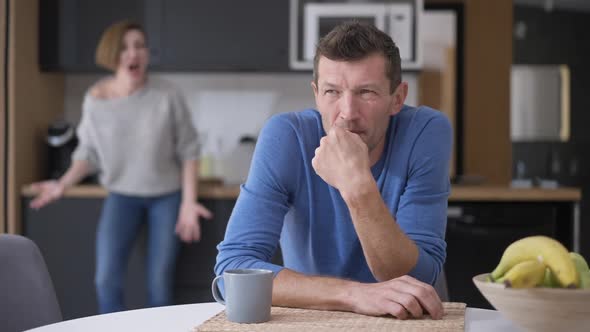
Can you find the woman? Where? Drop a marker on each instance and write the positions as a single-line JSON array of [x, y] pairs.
[[137, 132]]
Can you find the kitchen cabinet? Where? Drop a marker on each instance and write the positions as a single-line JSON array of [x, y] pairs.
[[478, 232], [225, 35], [69, 30], [183, 35], [65, 233], [482, 222]]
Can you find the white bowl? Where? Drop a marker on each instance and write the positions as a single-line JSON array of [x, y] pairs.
[[539, 309]]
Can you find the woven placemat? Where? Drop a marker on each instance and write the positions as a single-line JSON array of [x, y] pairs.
[[291, 319]]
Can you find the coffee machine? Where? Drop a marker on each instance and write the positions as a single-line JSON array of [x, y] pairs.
[[61, 143]]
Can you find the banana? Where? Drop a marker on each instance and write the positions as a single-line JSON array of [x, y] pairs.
[[579, 262], [549, 280], [544, 249], [526, 274], [585, 279], [582, 268]]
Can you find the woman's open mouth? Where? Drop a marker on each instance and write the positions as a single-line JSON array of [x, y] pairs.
[[133, 67]]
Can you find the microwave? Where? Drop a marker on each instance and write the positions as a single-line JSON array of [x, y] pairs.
[[312, 20]]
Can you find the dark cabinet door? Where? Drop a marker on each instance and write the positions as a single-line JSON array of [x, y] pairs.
[[65, 232], [188, 35], [194, 268], [69, 30], [225, 35], [477, 236]]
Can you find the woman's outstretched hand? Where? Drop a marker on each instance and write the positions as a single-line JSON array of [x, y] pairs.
[[47, 192], [188, 226]]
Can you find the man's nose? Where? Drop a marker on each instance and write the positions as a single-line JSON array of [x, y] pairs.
[[348, 106]]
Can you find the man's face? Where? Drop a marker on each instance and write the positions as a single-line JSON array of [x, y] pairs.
[[355, 95]]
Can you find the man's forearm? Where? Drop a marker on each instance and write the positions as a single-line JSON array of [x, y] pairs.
[[292, 289], [388, 251], [402, 297]]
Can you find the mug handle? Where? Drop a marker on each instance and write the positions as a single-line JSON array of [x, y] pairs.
[[215, 290]]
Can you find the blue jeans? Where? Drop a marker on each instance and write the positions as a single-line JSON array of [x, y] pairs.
[[119, 225]]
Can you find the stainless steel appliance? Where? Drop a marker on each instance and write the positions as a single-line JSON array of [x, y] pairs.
[[310, 20], [540, 103]]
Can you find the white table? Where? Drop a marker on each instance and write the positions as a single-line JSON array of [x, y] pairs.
[[185, 317]]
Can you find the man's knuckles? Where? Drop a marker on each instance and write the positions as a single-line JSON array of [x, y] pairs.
[[398, 311]]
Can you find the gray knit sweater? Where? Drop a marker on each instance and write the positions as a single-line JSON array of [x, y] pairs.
[[138, 143]]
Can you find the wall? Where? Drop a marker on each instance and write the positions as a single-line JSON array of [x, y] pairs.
[[34, 98]]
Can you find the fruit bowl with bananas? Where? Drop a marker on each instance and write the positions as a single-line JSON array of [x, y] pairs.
[[540, 286]]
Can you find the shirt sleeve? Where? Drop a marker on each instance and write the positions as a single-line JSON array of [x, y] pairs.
[[187, 144], [254, 228], [86, 149], [422, 211]]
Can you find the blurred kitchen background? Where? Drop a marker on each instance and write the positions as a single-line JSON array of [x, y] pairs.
[[550, 38], [231, 98], [512, 76]]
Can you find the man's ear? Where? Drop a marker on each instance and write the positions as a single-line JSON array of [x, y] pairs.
[[399, 97], [314, 88]]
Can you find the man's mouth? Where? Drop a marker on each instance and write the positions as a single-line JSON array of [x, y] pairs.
[[347, 128], [354, 131], [133, 67]]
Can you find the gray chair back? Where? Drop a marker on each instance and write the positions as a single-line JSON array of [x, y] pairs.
[[27, 296]]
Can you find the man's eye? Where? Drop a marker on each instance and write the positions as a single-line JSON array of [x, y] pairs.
[[367, 92], [330, 92]]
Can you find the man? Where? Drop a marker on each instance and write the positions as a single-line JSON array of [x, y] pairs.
[[356, 191]]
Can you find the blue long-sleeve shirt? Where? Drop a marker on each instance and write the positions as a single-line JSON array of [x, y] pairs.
[[283, 198]]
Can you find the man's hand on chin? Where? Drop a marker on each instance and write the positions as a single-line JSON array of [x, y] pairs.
[[342, 160]]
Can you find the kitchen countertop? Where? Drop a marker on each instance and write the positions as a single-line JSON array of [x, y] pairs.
[[507, 194], [206, 191], [458, 193]]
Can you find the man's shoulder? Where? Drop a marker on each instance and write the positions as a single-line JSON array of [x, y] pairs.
[[305, 120], [306, 115], [421, 114], [414, 119]]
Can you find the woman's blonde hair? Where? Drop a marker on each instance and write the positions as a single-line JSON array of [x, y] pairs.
[[111, 43]]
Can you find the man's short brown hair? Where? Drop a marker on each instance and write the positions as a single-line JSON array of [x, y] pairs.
[[354, 40], [111, 43]]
